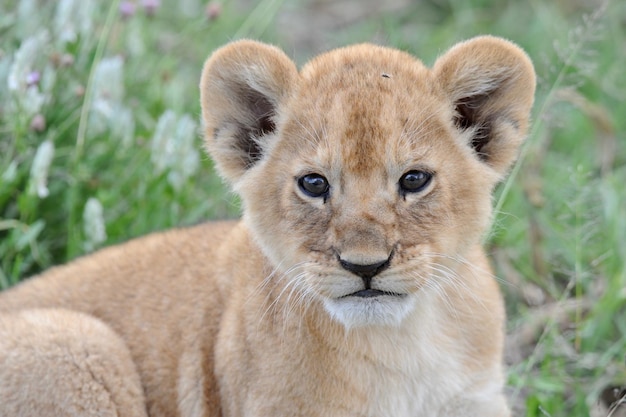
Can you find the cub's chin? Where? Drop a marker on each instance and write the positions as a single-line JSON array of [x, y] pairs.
[[370, 308]]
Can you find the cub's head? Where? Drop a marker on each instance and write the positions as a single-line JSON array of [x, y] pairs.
[[365, 175]]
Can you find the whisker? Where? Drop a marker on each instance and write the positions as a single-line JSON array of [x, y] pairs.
[[475, 268], [286, 279], [451, 277], [436, 286], [263, 283]]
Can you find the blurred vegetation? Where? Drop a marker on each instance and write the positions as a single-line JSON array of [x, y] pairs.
[[100, 142]]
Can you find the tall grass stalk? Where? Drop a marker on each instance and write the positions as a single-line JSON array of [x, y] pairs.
[[259, 19], [549, 98], [73, 197]]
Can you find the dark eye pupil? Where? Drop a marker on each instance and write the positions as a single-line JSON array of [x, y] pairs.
[[314, 185], [414, 181]]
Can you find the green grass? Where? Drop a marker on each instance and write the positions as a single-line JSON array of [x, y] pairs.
[[559, 238]]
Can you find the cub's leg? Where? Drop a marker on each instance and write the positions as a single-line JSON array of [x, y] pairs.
[[65, 363]]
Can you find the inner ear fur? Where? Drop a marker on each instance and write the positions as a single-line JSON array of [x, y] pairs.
[[242, 87], [490, 83]]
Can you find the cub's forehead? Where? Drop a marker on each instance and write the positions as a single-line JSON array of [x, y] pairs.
[[363, 103], [363, 59], [365, 81]]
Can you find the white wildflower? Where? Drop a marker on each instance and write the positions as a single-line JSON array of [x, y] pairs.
[[48, 78], [187, 158], [108, 110], [108, 79], [10, 174], [161, 141], [5, 68], [24, 60], [74, 18], [173, 148], [135, 40], [23, 78], [31, 102], [29, 17], [93, 224], [40, 168], [124, 126]]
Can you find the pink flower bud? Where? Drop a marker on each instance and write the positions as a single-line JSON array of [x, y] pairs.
[[150, 6], [32, 78], [67, 60], [38, 123], [127, 9], [213, 10]]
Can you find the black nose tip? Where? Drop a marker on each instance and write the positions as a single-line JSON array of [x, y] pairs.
[[366, 272]]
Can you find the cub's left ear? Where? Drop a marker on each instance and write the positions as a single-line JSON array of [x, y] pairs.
[[490, 82]]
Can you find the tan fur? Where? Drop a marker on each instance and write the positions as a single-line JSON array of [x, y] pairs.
[[256, 318]]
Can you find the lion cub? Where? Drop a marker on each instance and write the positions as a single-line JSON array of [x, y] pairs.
[[354, 285]]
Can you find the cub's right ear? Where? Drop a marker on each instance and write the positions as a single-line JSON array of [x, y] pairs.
[[242, 87]]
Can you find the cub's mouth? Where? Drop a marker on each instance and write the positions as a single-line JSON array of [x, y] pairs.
[[369, 293], [370, 306]]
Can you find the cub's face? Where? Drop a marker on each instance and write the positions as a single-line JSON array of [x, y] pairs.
[[366, 176]]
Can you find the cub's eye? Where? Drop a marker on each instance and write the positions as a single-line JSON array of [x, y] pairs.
[[414, 181], [314, 185]]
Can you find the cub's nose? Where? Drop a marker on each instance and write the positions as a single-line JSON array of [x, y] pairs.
[[366, 272]]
